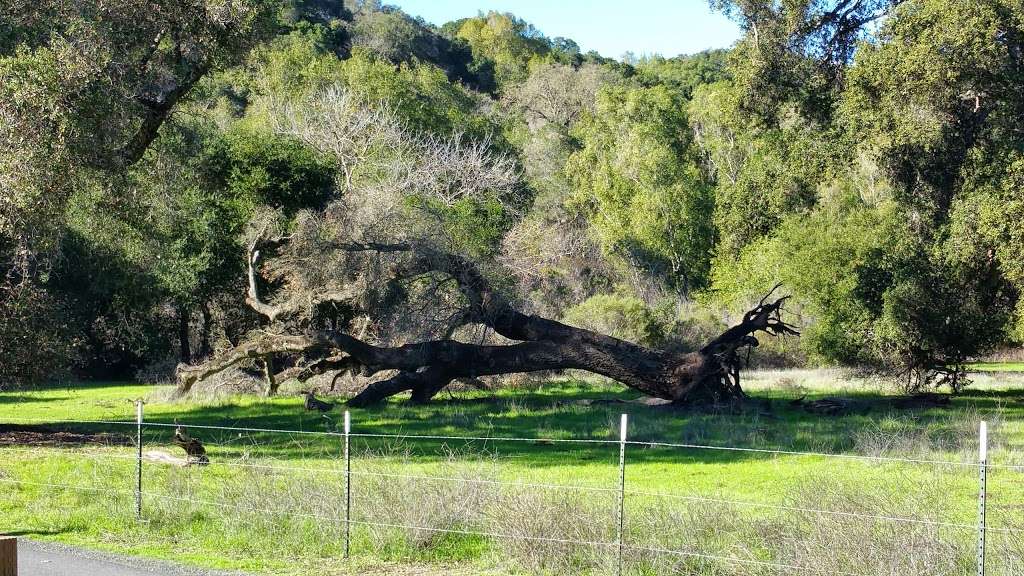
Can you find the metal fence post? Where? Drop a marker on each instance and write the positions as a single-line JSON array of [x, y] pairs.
[[138, 464], [982, 497], [348, 482], [622, 492]]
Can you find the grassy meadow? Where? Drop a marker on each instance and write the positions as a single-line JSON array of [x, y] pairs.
[[274, 502]]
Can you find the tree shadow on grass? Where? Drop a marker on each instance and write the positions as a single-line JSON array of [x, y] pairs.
[[766, 423], [12, 398], [769, 421], [20, 533]]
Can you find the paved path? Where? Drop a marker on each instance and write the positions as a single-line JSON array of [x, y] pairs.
[[45, 559]]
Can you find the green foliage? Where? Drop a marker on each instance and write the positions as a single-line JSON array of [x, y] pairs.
[[419, 93], [113, 302], [940, 97], [1000, 210], [503, 42], [258, 169], [896, 240], [289, 67], [795, 53], [471, 226], [36, 338], [299, 13], [867, 154], [398, 38], [762, 173], [876, 295], [684, 73], [84, 89], [175, 239], [619, 315], [829, 261], [88, 85], [636, 179]]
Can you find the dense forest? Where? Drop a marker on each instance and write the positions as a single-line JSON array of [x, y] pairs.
[[183, 181]]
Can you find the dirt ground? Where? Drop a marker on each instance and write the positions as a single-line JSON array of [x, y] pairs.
[[14, 435]]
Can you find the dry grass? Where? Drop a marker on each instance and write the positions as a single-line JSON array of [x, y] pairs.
[[823, 543], [300, 516]]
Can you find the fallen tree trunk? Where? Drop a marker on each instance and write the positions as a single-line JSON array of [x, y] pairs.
[[710, 374]]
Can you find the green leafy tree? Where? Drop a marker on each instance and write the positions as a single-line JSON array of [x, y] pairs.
[[637, 180], [84, 89], [504, 42], [762, 173], [894, 248], [684, 73]]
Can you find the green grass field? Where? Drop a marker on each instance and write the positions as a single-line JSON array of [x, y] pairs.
[[997, 367], [245, 511]]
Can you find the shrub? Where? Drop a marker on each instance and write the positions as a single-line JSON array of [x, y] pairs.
[[618, 315]]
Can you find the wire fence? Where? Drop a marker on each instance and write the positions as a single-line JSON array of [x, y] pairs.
[[620, 494]]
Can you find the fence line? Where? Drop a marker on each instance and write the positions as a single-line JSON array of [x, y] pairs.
[[441, 530], [513, 484], [621, 491], [799, 453], [520, 537], [570, 487], [540, 440], [69, 486], [488, 534]]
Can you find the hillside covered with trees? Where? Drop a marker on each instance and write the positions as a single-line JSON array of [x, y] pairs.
[[308, 186]]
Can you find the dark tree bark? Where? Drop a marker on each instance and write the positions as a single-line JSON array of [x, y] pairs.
[[205, 349], [184, 333], [268, 374], [710, 374]]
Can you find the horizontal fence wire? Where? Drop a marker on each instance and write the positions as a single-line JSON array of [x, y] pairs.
[[515, 484], [541, 440], [800, 453], [545, 539], [567, 487], [69, 486]]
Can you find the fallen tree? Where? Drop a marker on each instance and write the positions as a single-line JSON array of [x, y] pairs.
[[710, 374], [392, 278]]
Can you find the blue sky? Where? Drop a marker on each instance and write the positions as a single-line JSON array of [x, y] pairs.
[[666, 27]]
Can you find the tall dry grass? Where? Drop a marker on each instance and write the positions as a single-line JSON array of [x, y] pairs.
[[401, 513]]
